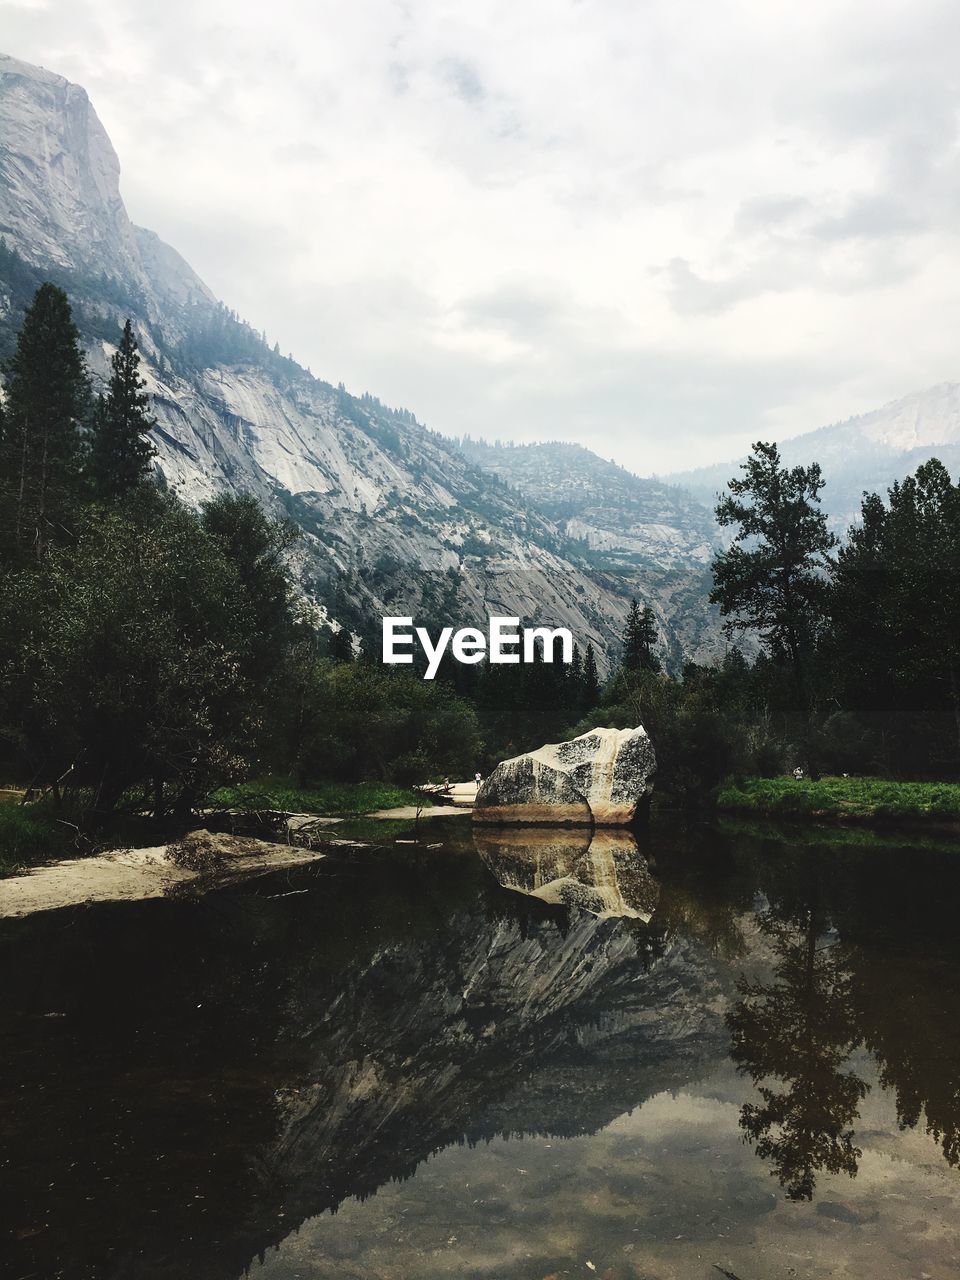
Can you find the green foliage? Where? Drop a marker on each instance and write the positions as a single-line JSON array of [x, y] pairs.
[[639, 640], [354, 721], [256, 548], [120, 451], [591, 677], [47, 399], [32, 833], [703, 727], [131, 657], [522, 706], [893, 648], [328, 799], [843, 799], [773, 581]]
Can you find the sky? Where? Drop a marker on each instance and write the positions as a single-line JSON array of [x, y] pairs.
[[660, 228]]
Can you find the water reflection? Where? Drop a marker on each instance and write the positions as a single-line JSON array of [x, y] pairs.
[[184, 1083], [799, 1030], [187, 1082], [602, 871], [864, 957]]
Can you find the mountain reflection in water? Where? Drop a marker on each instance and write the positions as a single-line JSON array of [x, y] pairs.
[[185, 1083]]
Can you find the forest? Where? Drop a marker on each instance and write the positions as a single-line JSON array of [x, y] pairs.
[[151, 653]]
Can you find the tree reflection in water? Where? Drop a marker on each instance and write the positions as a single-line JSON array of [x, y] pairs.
[[800, 1030]]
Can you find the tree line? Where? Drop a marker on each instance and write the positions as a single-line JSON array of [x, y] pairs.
[[858, 667]]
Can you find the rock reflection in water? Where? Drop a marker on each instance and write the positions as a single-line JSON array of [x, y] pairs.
[[602, 872]]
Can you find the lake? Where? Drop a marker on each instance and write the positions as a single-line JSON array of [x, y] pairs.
[[734, 1052]]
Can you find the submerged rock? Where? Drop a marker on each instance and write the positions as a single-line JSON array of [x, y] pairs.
[[602, 778], [602, 872]]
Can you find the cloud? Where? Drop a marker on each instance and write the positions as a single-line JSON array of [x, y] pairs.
[[463, 79], [664, 229]]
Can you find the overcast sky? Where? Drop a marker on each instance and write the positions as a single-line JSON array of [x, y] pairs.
[[659, 227]]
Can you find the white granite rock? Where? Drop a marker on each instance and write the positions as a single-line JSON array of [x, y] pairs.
[[602, 778]]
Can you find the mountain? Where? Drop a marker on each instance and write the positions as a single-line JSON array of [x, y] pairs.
[[636, 521], [865, 453], [396, 518]]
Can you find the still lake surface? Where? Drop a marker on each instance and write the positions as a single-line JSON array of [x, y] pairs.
[[390, 1065]]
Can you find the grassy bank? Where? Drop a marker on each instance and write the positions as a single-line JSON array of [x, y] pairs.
[[843, 799], [30, 834], [326, 799]]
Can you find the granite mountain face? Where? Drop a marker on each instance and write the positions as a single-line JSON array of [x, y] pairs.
[[396, 518], [623, 517]]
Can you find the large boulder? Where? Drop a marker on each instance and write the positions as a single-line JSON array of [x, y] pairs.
[[602, 778]]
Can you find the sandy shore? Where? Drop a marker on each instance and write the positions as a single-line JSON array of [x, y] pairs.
[[136, 874]]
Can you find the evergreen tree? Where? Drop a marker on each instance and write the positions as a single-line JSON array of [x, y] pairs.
[[639, 640], [776, 584], [895, 615], [341, 646], [47, 398], [574, 696], [591, 679], [576, 666], [120, 451]]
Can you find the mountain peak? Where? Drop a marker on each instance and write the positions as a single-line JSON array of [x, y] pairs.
[[59, 176], [10, 66]]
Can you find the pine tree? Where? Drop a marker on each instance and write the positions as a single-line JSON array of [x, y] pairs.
[[591, 679], [639, 640], [648, 624], [773, 579], [576, 666], [47, 398], [574, 695], [341, 646], [120, 451], [895, 610]]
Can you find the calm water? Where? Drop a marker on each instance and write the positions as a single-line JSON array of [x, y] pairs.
[[721, 1053]]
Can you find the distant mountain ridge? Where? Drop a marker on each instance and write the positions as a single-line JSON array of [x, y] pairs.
[[864, 453], [396, 518]]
